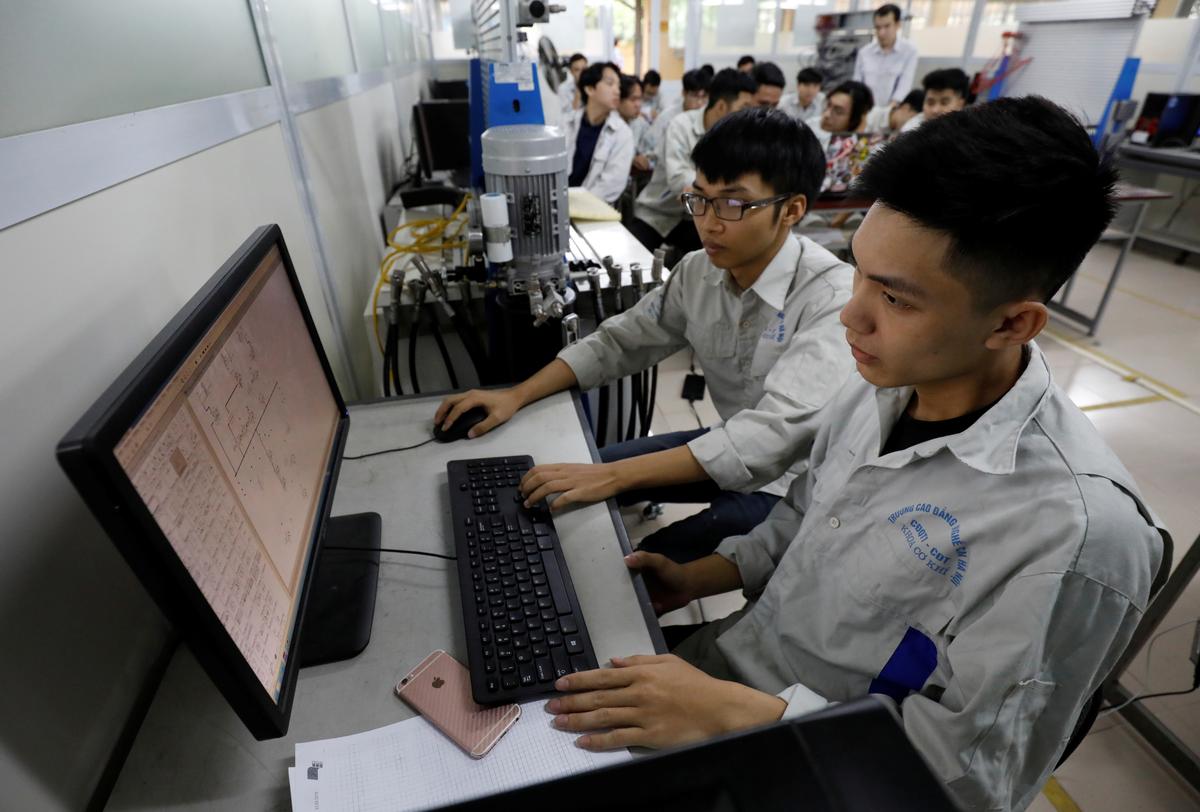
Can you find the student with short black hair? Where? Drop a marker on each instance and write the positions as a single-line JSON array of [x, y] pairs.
[[770, 84], [651, 94], [964, 544], [887, 64], [758, 306], [746, 64], [598, 139], [630, 108], [695, 95], [568, 91], [658, 216], [808, 102], [946, 90], [906, 115], [708, 69], [846, 110]]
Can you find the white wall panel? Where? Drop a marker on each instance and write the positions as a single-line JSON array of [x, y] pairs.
[[82, 290]]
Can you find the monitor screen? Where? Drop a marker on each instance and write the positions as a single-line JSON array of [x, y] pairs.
[[443, 135], [229, 459], [212, 461]]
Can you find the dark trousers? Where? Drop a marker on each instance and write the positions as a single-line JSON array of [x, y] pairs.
[[683, 237], [728, 513]]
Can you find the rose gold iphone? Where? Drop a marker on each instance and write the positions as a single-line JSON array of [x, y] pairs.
[[440, 690]]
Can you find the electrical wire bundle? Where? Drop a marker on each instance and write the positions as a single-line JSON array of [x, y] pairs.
[[427, 236]]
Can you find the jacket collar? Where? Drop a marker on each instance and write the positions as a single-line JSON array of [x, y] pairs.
[[776, 279], [990, 444]]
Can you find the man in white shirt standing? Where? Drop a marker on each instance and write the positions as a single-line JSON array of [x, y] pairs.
[[658, 216], [598, 139], [888, 64], [758, 306]]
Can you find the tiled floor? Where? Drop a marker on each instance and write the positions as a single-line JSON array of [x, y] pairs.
[[1147, 351]]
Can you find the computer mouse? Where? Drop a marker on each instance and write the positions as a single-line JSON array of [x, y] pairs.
[[462, 425]]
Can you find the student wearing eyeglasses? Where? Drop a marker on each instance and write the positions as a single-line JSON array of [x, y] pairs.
[[759, 308]]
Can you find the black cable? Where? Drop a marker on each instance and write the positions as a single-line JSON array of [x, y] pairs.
[[645, 411], [653, 398], [386, 451], [602, 422], [395, 355], [598, 308], [441, 345], [387, 360], [412, 339], [392, 550], [635, 405], [466, 334], [1142, 697]]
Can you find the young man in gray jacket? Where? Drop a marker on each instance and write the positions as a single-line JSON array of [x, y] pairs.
[[758, 306], [963, 542]]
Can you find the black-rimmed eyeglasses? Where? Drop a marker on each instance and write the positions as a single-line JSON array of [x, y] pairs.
[[726, 208]]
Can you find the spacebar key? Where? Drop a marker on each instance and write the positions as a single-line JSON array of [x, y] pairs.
[[557, 589]]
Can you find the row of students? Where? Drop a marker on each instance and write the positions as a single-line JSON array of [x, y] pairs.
[[955, 536]]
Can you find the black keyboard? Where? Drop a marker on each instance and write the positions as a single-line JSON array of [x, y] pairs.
[[523, 622]]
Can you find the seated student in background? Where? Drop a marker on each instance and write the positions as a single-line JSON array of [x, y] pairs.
[[746, 64], [568, 91], [963, 542], [658, 216], [898, 118], [845, 111], [695, 96], [598, 139], [946, 91], [758, 307], [651, 95], [630, 108], [808, 102], [770, 84]]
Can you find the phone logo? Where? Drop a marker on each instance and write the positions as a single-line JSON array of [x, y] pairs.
[[438, 682]]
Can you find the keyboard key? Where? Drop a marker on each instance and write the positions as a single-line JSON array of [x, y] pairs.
[[551, 627], [580, 663], [527, 675], [493, 685], [508, 666], [489, 667], [537, 635], [574, 644], [540, 650], [509, 682], [557, 588], [562, 666], [523, 656], [552, 640], [543, 669]]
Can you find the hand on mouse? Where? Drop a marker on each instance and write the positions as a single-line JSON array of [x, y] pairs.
[[501, 404]]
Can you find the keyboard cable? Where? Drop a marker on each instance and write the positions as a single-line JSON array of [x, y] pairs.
[[393, 550], [386, 451]]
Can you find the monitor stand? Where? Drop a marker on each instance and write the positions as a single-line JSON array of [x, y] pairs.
[[341, 606]]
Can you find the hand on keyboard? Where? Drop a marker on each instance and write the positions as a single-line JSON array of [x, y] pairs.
[[574, 484], [656, 701]]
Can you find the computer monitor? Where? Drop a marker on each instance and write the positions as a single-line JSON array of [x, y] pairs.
[[1169, 120], [443, 135], [211, 463]]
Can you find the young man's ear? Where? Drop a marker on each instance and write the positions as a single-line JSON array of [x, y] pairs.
[[1018, 323], [794, 210]]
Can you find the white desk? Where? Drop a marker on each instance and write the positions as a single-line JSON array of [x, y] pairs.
[[192, 752]]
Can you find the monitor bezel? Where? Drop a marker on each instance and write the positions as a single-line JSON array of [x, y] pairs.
[[86, 454]]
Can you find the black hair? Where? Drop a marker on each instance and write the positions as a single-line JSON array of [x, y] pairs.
[[889, 8], [947, 79], [915, 100], [652, 78], [575, 58], [861, 100], [696, 81], [728, 84], [709, 69], [768, 73], [1016, 185], [745, 60], [627, 83], [592, 75], [783, 151], [809, 76]]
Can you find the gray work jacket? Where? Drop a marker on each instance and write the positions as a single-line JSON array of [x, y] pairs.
[[772, 355], [986, 581]]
